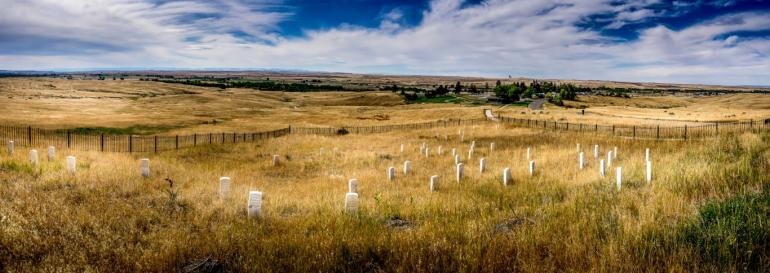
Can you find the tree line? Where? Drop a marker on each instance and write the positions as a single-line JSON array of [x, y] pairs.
[[259, 85]]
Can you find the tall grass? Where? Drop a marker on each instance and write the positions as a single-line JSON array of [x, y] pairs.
[[706, 209]]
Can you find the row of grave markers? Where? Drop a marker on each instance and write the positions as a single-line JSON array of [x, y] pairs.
[[351, 198]]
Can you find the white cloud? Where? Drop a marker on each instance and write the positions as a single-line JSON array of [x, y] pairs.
[[532, 38]]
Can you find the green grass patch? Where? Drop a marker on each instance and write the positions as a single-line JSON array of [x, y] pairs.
[[733, 234], [439, 99]]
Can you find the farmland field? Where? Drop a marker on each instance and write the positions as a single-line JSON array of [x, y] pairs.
[[705, 209]]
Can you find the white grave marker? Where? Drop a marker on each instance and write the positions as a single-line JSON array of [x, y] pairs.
[[10, 147], [51, 153], [407, 167], [434, 183], [391, 174], [470, 154], [459, 172], [529, 153], [578, 147], [618, 177], [482, 164], [609, 159], [276, 160], [402, 148], [255, 204], [71, 166], [427, 152], [144, 167], [581, 160], [596, 151], [492, 147], [454, 151], [615, 153], [649, 171], [353, 185], [506, 176], [351, 202], [33, 157], [440, 150], [224, 187], [457, 159]]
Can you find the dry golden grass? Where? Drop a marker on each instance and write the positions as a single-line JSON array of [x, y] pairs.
[[107, 217]]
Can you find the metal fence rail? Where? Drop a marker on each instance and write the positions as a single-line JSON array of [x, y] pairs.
[[646, 132]]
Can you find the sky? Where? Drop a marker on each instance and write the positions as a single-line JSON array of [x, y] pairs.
[[709, 42]]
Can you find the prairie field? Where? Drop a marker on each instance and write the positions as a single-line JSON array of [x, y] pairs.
[[706, 208]]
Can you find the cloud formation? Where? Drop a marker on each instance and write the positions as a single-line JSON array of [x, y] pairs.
[[530, 38]]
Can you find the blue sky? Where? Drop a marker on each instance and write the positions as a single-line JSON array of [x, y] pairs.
[[713, 42]]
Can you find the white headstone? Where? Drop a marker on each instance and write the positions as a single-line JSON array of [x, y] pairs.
[[532, 168], [454, 151], [618, 177], [353, 185], [609, 159], [506, 176], [255, 204], [473, 144], [407, 167], [649, 171], [224, 187], [144, 167], [491, 146], [276, 160], [402, 148], [10, 147], [440, 150], [457, 159], [351, 202], [602, 167], [529, 153], [434, 183], [459, 172], [51, 153], [596, 151], [578, 147], [71, 166], [615, 153], [470, 154], [427, 152], [462, 137], [33, 157], [482, 164], [647, 154], [581, 160], [422, 150], [391, 174]]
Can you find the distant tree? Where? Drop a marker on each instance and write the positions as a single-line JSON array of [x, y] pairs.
[[394, 88], [458, 88], [497, 83]]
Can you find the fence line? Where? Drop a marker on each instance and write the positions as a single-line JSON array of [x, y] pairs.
[[60, 138], [647, 132]]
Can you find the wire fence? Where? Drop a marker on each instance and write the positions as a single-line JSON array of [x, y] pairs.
[[37, 137], [647, 132]]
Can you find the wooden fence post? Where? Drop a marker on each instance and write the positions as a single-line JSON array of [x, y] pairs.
[[657, 132], [155, 146], [176, 145], [211, 136], [685, 132], [68, 139], [29, 135], [130, 143], [195, 139], [101, 143], [634, 132]]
